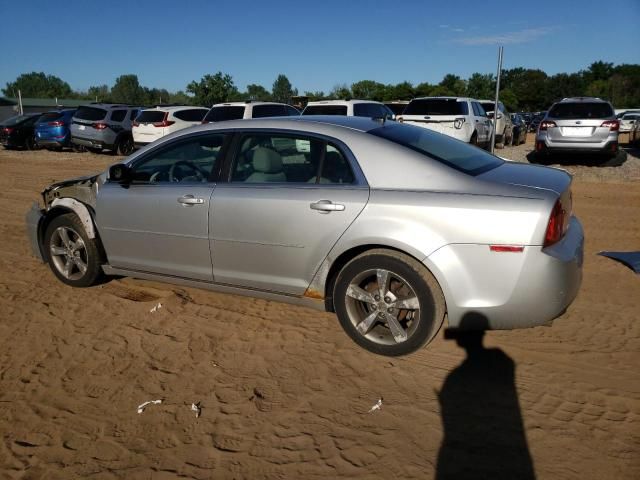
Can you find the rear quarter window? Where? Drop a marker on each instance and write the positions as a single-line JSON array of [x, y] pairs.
[[219, 114], [262, 111], [118, 115], [191, 115]]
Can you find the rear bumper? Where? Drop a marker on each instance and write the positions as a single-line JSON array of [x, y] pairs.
[[485, 289], [544, 144], [33, 218], [90, 142]]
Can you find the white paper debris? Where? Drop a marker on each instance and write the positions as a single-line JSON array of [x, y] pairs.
[[142, 406], [377, 406], [195, 407], [156, 308]]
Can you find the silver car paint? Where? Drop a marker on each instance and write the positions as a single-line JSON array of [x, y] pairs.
[[442, 217]]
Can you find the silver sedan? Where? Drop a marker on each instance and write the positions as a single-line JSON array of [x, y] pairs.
[[394, 228]]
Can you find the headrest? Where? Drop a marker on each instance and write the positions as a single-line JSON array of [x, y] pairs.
[[266, 160]]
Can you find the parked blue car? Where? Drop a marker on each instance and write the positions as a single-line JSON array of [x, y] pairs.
[[52, 129]]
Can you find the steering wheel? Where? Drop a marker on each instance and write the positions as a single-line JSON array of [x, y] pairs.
[[200, 174]]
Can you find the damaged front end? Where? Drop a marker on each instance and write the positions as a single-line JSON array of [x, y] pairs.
[[77, 196]]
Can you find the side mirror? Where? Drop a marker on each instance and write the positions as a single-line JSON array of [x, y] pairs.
[[120, 173]]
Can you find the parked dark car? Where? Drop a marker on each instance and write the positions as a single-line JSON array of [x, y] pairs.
[[18, 131], [52, 129], [535, 121], [519, 129]]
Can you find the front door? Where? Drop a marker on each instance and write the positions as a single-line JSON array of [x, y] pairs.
[[159, 222], [288, 201]]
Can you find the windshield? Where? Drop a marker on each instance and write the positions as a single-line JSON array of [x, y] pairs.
[[325, 110], [90, 113], [454, 153], [220, 114], [580, 110], [436, 106]]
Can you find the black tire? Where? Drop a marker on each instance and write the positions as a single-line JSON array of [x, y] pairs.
[[474, 139], [78, 148], [30, 143], [406, 277], [68, 252], [125, 145], [502, 141]]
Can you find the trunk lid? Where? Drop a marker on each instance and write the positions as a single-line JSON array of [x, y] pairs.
[[532, 176]]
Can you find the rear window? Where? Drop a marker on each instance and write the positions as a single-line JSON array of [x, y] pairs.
[[396, 108], [461, 156], [50, 117], [262, 111], [191, 115], [580, 110], [150, 116], [325, 110], [16, 120], [219, 114], [436, 106], [90, 113]]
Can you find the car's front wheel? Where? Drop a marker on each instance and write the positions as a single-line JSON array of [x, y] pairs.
[[388, 302], [73, 257]]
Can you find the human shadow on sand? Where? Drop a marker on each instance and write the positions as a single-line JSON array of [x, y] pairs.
[[484, 435]]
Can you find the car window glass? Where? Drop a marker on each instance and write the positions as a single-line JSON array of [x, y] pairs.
[[118, 115], [325, 110], [262, 111], [474, 106], [580, 110], [292, 111], [219, 114], [133, 114], [481, 109], [185, 161], [335, 168], [268, 158], [191, 115], [90, 113], [436, 106]]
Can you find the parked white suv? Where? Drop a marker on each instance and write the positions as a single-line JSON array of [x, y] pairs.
[[154, 123], [458, 117], [504, 125], [249, 109], [349, 108]]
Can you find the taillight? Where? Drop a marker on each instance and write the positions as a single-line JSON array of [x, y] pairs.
[[558, 224], [164, 122], [56, 124], [614, 125], [546, 124], [99, 126], [8, 130]]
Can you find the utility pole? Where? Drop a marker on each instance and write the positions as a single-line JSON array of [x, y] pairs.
[[495, 106], [20, 102]]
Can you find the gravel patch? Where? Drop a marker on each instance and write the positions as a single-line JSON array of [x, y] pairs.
[[624, 167]]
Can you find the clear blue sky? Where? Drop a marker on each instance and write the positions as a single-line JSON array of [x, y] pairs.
[[316, 44]]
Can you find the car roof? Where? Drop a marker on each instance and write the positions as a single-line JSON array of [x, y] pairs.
[[582, 100], [109, 105], [243, 104], [445, 97], [340, 102], [174, 108]]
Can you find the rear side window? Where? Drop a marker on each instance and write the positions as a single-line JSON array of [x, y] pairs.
[[191, 115], [133, 114], [396, 108], [219, 114], [579, 110], [118, 115], [458, 155], [90, 113], [489, 106], [292, 111], [150, 116], [372, 110], [436, 106], [262, 111], [325, 110]]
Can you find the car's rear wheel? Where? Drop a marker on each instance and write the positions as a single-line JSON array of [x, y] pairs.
[[125, 145], [30, 143], [474, 139], [73, 257], [388, 302]]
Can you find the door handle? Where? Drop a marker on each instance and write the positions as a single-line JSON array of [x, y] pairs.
[[190, 200], [326, 206]]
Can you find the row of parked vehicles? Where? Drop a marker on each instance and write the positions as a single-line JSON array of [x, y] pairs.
[[572, 124]]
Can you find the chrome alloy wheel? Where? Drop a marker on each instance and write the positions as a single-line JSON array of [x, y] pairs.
[[383, 306], [68, 253]]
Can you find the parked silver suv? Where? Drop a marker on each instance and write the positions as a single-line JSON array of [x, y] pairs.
[[104, 126], [582, 124]]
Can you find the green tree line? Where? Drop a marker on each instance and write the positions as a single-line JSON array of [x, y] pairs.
[[522, 89]]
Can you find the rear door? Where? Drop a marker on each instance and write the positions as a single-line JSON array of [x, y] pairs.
[[289, 199]]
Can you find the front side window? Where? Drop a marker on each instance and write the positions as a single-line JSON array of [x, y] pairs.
[[281, 158], [186, 161]]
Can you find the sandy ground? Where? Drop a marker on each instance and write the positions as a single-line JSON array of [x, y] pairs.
[[285, 393]]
